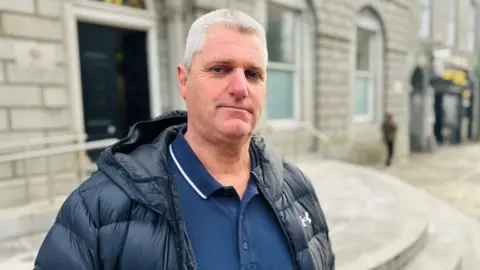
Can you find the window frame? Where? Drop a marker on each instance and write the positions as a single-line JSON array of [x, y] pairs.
[[472, 27], [370, 75], [425, 16], [148, 5], [368, 21], [451, 36], [295, 67]]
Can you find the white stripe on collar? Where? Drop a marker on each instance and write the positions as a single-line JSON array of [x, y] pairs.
[[189, 181]]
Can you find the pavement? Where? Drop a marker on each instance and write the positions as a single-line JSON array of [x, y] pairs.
[[363, 211], [19, 254], [375, 219], [451, 174], [372, 223]]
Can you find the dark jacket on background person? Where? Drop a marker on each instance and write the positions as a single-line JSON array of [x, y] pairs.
[[128, 214], [389, 130]]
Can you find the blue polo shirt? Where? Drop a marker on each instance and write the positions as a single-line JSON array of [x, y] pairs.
[[226, 232]]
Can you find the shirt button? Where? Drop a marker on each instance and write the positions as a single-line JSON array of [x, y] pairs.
[[245, 245]]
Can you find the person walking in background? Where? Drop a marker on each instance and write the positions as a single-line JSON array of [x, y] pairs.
[[389, 130]]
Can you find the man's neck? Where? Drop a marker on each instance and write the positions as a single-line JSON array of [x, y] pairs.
[[220, 158]]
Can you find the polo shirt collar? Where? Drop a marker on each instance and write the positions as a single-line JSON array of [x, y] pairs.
[[192, 168]]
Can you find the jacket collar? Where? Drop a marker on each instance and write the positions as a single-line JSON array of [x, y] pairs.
[[138, 164]]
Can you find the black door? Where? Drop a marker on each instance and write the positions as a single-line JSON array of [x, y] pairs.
[[114, 78], [98, 73], [134, 72]]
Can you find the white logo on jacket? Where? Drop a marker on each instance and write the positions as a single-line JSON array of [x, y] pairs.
[[306, 219]]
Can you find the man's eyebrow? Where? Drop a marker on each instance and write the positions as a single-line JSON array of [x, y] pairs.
[[230, 62], [219, 62], [257, 67]]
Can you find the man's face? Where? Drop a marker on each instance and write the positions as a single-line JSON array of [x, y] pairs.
[[225, 86]]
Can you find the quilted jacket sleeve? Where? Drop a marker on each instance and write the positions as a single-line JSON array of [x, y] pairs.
[[71, 242], [328, 244]]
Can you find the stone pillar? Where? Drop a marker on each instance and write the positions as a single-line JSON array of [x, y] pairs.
[[177, 33]]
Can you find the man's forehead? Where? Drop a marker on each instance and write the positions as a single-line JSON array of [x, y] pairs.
[[229, 36], [233, 56]]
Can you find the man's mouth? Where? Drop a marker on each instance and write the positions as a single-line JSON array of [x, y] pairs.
[[238, 108]]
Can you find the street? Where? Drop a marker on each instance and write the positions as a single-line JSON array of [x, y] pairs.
[[451, 174], [19, 254]]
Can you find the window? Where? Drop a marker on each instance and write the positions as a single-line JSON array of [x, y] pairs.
[[451, 37], [368, 66], [425, 18], [364, 74], [472, 18], [281, 70], [128, 3]]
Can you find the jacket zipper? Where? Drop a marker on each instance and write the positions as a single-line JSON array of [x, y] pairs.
[[190, 251], [292, 252], [191, 260]]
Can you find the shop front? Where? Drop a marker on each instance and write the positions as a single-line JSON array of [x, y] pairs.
[[453, 106]]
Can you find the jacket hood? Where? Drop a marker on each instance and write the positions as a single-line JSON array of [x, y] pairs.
[[138, 164]]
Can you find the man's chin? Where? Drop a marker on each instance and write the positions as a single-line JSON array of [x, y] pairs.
[[236, 129]]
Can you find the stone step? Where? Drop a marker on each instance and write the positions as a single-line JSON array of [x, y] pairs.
[[376, 221], [440, 253], [34, 218], [454, 241]]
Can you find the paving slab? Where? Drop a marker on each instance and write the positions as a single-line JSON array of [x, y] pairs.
[[458, 233], [451, 174], [375, 220], [19, 254]]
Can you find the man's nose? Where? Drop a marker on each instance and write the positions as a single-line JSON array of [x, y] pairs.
[[238, 84]]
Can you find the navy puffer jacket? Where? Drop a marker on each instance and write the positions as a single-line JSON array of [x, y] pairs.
[[128, 215]]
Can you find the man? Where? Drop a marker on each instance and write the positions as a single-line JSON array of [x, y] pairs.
[[197, 192], [389, 130]]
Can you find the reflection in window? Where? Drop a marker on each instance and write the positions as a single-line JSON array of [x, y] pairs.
[[472, 19], [280, 97], [452, 23], [362, 95], [425, 18], [365, 73], [280, 34], [363, 49], [450, 107], [129, 3], [281, 37]]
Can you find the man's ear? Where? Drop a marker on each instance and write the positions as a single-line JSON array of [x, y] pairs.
[[182, 76]]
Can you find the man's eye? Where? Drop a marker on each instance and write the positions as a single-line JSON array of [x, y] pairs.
[[252, 74], [219, 69]]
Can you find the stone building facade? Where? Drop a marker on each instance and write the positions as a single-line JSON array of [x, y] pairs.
[[447, 46], [337, 65], [363, 51]]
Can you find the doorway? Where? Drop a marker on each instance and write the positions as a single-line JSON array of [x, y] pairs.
[[114, 79]]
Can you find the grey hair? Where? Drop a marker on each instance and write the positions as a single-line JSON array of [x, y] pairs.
[[229, 17]]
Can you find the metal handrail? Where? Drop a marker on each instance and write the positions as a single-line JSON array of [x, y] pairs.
[[56, 150], [85, 146], [41, 141], [82, 146]]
